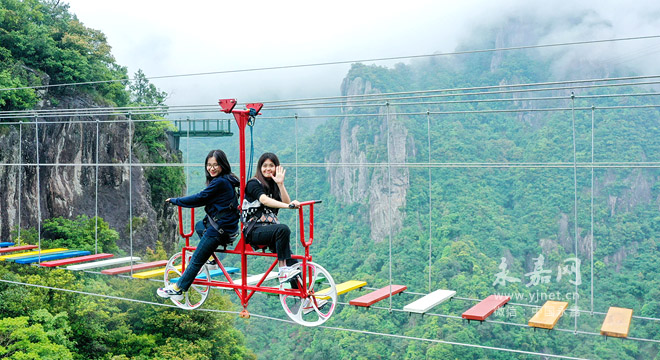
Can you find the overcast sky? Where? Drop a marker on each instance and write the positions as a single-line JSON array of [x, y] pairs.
[[172, 37]]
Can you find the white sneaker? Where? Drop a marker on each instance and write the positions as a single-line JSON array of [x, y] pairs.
[[168, 292], [287, 273], [308, 306]]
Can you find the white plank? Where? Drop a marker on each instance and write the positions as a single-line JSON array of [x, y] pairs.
[[425, 303], [254, 279], [102, 263]]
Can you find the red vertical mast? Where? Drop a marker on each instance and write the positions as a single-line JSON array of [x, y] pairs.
[[242, 118]]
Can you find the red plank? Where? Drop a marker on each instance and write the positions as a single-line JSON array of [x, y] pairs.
[[136, 267], [75, 260], [17, 248], [378, 295], [485, 307]]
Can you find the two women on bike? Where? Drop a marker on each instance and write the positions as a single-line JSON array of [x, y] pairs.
[[265, 194]]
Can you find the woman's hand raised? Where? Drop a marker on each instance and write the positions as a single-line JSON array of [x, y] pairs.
[[279, 175]]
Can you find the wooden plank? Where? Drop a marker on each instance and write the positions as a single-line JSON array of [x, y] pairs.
[[548, 315], [254, 279], [30, 253], [428, 301], [377, 295], [75, 260], [136, 267], [103, 263], [617, 322], [153, 273], [342, 288], [212, 273], [52, 256], [17, 248], [5, 244], [485, 307]]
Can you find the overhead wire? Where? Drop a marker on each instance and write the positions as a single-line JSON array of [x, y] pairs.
[[470, 101], [412, 113], [575, 203], [389, 189], [539, 165], [428, 134], [591, 233], [38, 175], [96, 193], [354, 99], [20, 177], [515, 88], [418, 94], [406, 57], [144, 302], [130, 186]]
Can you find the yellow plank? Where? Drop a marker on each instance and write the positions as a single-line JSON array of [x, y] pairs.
[[343, 288], [30, 253], [152, 273], [548, 315], [617, 322]]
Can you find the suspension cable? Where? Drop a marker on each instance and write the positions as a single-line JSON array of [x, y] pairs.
[[428, 134], [340, 104], [143, 302], [36, 142], [341, 62], [575, 205], [389, 189], [96, 193], [534, 165], [20, 176], [591, 243], [295, 131], [412, 113], [130, 186]]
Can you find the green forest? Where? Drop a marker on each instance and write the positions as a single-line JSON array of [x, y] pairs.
[[459, 227]]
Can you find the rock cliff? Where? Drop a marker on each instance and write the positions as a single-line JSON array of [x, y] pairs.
[[67, 183], [360, 183]]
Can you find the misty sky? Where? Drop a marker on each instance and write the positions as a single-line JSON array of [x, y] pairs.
[[172, 37]]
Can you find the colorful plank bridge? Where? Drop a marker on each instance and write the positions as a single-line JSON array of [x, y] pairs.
[[616, 323]]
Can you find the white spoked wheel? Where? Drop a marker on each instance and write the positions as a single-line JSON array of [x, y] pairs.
[[197, 294], [321, 299]]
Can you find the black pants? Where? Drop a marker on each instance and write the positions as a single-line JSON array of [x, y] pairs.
[[276, 237]]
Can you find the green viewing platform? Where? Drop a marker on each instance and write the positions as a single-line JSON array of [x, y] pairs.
[[199, 128]]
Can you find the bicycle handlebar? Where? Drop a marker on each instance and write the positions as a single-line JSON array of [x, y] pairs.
[[192, 223], [303, 203], [306, 244]]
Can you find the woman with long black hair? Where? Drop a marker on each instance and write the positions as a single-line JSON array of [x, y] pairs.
[[265, 194], [220, 225]]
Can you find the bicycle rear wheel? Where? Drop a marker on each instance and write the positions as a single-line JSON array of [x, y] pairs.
[[319, 304]]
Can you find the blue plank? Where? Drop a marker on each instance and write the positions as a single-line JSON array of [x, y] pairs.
[[46, 257], [213, 273], [5, 244]]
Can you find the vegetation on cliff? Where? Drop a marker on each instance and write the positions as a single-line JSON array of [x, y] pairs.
[[42, 43]]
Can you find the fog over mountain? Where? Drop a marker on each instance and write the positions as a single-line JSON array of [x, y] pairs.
[[164, 38]]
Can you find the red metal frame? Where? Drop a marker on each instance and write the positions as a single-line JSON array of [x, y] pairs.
[[243, 290]]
